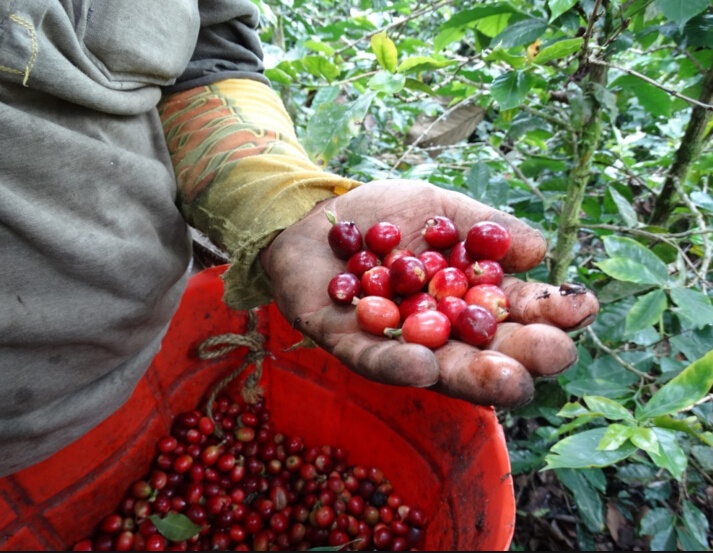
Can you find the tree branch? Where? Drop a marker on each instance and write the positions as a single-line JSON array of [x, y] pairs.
[[401, 21], [428, 129], [666, 238], [628, 366], [691, 101], [590, 30], [519, 173], [707, 247]]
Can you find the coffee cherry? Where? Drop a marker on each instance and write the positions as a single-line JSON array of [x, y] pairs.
[[428, 328], [451, 307], [485, 271], [343, 288], [345, 239], [434, 262], [394, 256], [459, 257], [440, 233], [475, 326], [324, 517], [377, 282], [408, 276], [383, 238], [488, 240], [491, 298], [361, 262], [448, 282], [416, 303], [375, 314]]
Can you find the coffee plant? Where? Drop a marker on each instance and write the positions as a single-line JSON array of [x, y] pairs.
[[592, 121]]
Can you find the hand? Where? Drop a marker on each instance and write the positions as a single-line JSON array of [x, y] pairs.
[[532, 344]]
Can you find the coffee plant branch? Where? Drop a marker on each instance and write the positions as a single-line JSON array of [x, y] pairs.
[[519, 173], [590, 30], [628, 366], [666, 238], [672, 92], [707, 248], [425, 133], [398, 23]]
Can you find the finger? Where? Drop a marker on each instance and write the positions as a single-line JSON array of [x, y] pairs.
[[482, 377], [528, 246], [569, 307], [544, 350], [378, 359]]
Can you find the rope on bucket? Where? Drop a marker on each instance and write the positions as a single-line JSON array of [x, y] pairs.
[[217, 346]]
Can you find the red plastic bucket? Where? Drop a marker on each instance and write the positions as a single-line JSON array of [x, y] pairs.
[[446, 456]]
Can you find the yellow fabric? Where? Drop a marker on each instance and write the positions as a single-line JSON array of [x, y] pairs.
[[242, 175]]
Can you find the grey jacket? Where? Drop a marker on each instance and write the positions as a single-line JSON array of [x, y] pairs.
[[93, 250]]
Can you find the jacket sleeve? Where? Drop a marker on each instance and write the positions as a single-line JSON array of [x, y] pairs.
[[242, 175], [228, 45]]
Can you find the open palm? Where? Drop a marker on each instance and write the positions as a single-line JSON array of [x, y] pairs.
[[300, 264]]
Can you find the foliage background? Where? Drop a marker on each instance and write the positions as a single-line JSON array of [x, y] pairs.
[[591, 120]]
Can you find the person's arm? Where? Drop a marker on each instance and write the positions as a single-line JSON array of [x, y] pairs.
[[246, 182], [242, 175]]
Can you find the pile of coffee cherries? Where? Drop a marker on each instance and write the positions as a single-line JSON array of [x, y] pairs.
[[450, 291], [253, 489]]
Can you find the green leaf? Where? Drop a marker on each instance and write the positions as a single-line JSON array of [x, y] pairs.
[[618, 246], [277, 75], [665, 540], [332, 127], [704, 456], [699, 31], [596, 478], [654, 100], [320, 47], [696, 522], [468, 18], [645, 438], [418, 86], [625, 210], [500, 54], [624, 269], [646, 311], [572, 410], [611, 410], [589, 502], [493, 25], [176, 526], [671, 457], [559, 50], [384, 81], [446, 37], [522, 33], [601, 387], [386, 52], [580, 451], [510, 89], [683, 391], [478, 180], [417, 64], [694, 345], [680, 11], [655, 521], [615, 437], [558, 7], [693, 305], [325, 95], [688, 542], [321, 67]]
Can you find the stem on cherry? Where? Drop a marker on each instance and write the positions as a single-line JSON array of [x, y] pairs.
[[331, 217], [393, 332]]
